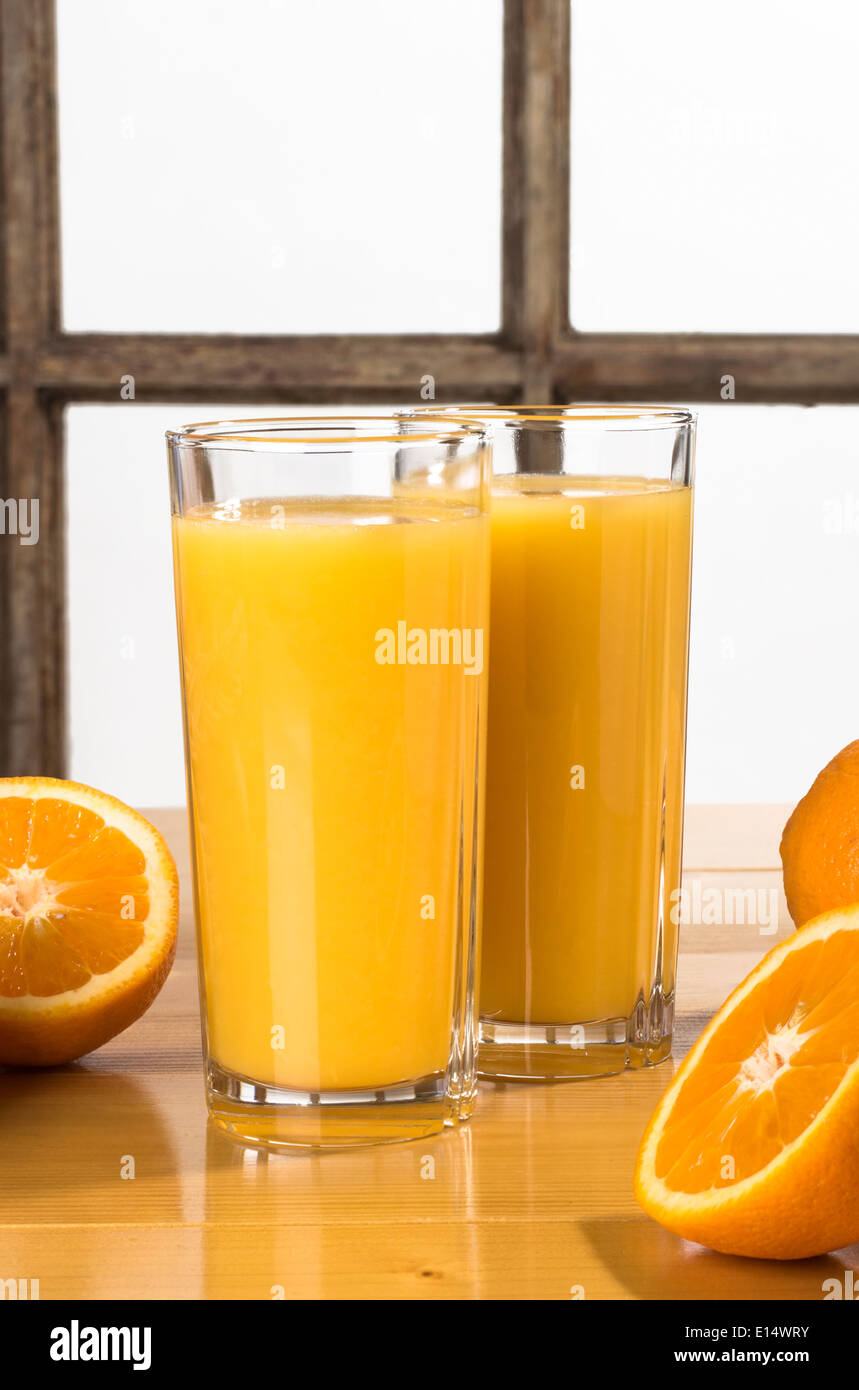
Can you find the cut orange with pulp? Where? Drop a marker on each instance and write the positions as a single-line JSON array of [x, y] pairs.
[[88, 912], [754, 1148]]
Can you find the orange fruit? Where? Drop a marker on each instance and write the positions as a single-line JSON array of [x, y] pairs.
[[88, 911], [754, 1148], [820, 843]]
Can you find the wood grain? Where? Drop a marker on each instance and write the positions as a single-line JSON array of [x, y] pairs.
[[795, 369], [299, 369], [531, 1200], [612, 1259], [32, 630], [535, 216]]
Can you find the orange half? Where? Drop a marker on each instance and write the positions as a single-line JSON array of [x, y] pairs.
[[754, 1148], [88, 915]]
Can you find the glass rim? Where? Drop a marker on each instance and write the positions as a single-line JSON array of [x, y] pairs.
[[620, 417], [259, 434]]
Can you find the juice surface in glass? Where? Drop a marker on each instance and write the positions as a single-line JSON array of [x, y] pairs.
[[329, 788], [587, 701]]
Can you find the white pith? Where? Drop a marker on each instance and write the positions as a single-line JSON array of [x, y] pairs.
[[26, 895], [769, 1060]]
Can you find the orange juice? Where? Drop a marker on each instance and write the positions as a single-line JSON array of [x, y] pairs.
[[331, 772], [589, 618]]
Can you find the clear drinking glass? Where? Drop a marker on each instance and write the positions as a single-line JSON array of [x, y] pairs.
[[591, 562], [332, 596]]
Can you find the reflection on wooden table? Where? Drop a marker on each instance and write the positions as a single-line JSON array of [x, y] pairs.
[[112, 1184]]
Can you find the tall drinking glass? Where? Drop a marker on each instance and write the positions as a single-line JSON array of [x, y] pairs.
[[591, 562], [332, 595]]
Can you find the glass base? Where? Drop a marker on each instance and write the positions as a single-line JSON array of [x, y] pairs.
[[573, 1051], [277, 1117]]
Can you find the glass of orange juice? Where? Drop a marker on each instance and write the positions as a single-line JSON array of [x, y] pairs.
[[591, 561], [332, 601]]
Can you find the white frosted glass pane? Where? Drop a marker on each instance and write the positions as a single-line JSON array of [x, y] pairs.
[[774, 677], [774, 667], [714, 173], [280, 167], [125, 722]]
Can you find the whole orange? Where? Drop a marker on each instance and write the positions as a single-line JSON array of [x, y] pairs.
[[820, 843]]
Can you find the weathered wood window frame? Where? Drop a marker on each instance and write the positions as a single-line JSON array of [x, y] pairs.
[[535, 355]]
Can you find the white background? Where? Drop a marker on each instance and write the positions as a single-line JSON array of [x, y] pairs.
[[336, 167], [715, 166], [271, 166]]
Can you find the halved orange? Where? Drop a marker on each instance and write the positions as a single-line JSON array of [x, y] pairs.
[[88, 911], [754, 1148]]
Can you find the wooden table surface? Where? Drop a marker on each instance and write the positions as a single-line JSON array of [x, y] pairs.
[[532, 1199]]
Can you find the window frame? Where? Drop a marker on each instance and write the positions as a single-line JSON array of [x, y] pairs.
[[536, 355]]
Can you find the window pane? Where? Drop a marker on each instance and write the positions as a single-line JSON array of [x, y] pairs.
[[774, 664], [125, 722], [774, 668], [714, 180], [280, 168]]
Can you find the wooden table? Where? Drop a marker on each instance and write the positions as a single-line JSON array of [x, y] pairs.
[[532, 1199]]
